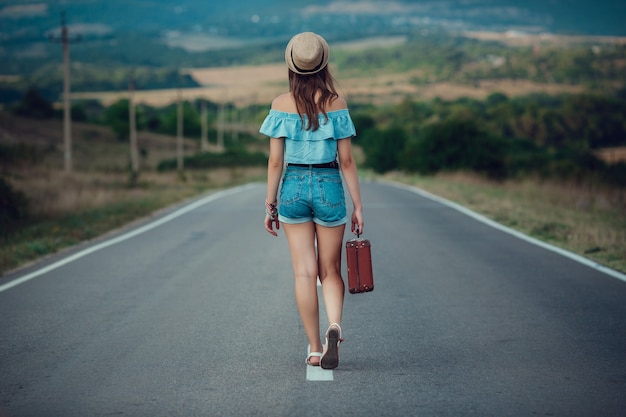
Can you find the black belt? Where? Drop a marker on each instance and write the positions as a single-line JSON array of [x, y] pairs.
[[332, 164]]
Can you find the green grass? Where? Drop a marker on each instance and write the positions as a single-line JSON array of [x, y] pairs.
[[47, 236]]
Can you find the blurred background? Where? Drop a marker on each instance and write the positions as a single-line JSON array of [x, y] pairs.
[[466, 98]]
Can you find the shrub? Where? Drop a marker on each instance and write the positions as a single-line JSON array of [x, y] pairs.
[[383, 148], [13, 207], [616, 174], [523, 157], [455, 144], [34, 105], [12, 155], [116, 117]]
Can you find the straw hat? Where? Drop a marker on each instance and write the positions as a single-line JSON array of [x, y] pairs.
[[307, 53]]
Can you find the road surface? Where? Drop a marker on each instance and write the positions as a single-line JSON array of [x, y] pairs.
[[194, 315]]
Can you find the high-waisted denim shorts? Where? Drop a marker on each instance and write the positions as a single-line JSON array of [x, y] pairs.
[[312, 194]]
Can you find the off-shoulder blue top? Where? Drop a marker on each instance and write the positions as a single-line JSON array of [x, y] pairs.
[[307, 146]]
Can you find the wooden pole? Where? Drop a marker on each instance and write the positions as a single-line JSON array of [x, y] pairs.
[[204, 122], [179, 133], [67, 111], [220, 128], [235, 124], [134, 152]]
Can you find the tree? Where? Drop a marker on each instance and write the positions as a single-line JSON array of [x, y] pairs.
[[456, 144], [33, 104], [384, 148], [191, 121], [13, 207], [496, 98], [116, 117]]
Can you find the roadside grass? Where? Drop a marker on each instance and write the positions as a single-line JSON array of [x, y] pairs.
[[587, 220]]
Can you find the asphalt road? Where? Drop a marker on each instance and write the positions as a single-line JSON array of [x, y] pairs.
[[195, 316]]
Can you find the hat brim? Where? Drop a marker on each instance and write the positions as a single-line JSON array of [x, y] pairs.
[[293, 67]]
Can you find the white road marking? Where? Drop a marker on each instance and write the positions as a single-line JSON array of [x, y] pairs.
[[563, 252], [125, 236], [317, 373]]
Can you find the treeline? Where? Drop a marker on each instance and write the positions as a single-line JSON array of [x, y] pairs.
[[48, 81], [162, 120], [434, 57], [501, 137], [441, 57]]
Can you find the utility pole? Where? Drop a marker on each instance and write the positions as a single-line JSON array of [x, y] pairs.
[[179, 132], [204, 122], [67, 119], [220, 128], [134, 152], [235, 123]]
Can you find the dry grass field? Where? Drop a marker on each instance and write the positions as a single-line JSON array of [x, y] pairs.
[[613, 155], [241, 86], [245, 85], [513, 38]]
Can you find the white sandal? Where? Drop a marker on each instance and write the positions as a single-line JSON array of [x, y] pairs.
[[313, 355], [330, 357]]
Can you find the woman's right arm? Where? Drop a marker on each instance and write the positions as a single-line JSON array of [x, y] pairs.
[[351, 177], [274, 173]]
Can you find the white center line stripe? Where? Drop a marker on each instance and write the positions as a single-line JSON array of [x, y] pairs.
[[317, 373]]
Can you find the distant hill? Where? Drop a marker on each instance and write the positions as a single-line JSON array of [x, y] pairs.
[[165, 33], [21, 19]]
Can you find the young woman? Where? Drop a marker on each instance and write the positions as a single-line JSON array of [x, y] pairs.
[[310, 132]]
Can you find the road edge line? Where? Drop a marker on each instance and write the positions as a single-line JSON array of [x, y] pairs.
[[563, 252], [125, 236]]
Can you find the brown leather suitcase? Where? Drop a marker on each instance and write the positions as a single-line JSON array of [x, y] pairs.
[[359, 261]]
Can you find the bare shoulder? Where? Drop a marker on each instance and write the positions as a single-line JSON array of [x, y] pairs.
[[284, 102], [337, 104]]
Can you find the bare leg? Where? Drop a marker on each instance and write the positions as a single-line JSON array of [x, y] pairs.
[[329, 244], [301, 238]]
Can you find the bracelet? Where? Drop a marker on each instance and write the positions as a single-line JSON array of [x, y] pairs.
[[271, 210]]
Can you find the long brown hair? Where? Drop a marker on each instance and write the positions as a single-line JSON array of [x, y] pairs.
[[313, 94]]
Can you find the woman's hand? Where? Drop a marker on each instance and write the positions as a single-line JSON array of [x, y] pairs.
[[271, 216], [357, 222], [269, 225]]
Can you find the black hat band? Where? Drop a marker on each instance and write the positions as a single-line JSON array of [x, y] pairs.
[[316, 69]]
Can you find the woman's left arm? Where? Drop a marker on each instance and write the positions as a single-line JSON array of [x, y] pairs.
[[274, 173], [351, 177]]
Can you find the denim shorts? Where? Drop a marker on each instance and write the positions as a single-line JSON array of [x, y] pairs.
[[312, 194]]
